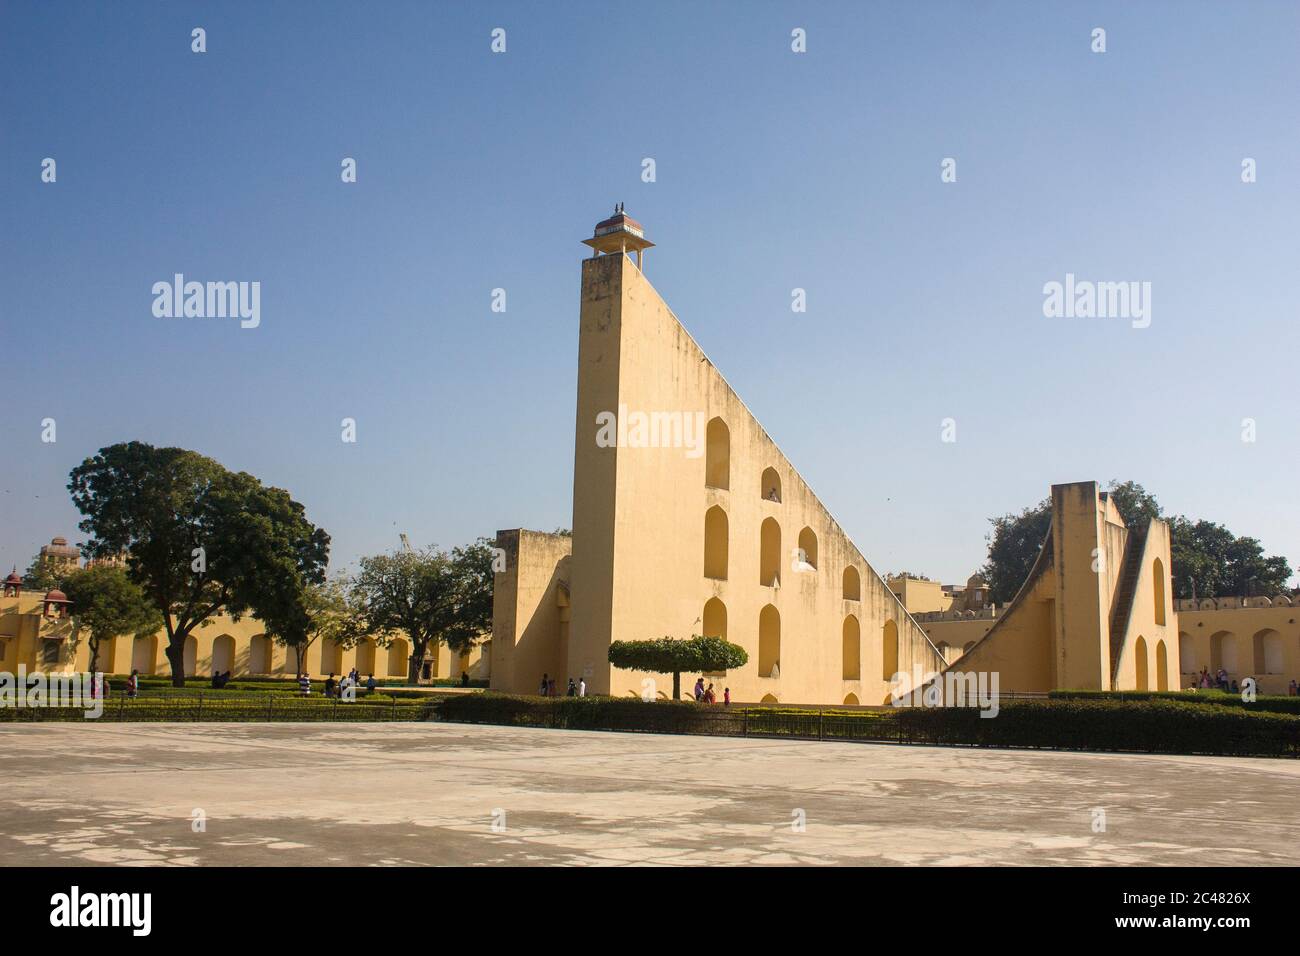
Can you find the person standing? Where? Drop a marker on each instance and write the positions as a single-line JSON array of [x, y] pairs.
[[545, 685], [582, 686], [726, 697], [133, 685], [572, 690]]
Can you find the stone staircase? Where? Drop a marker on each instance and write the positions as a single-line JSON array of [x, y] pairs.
[[1123, 606]]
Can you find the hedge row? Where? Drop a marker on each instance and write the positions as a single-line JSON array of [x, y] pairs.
[[1273, 703], [262, 707], [1149, 726], [163, 687], [1155, 726], [586, 713]]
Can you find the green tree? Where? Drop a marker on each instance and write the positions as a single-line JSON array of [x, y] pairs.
[[1014, 544], [1136, 505], [108, 604], [670, 655], [42, 575], [431, 596], [473, 563], [1220, 563], [331, 616], [200, 540], [1211, 560]]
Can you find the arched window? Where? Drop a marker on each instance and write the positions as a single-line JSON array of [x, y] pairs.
[[808, 549], [769, 699], [104, 660], [889, 650], [144, 652], [223, 654], [1186, 653], [717, 454], [852, 649], [771, 485], [331, 657], [191, 657], [769, 559], [259, 654], [715, 619], [715, 543], [366, 657], [1223, 652], [852, 584], [1140, 661], [1162, 666], [1268, 652], [769, 642], [1158, 589], [398, 653], [850, 700]]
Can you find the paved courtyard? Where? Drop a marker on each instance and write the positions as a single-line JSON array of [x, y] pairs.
[[283, 794]]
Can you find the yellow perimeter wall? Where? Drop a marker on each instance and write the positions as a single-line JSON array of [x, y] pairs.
[[240, 647]]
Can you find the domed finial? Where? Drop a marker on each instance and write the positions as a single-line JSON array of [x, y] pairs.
[[619, 233]]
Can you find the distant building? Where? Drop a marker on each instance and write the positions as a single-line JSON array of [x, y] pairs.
[[39, 631]]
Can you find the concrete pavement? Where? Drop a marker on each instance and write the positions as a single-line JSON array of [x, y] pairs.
[[429, 793]]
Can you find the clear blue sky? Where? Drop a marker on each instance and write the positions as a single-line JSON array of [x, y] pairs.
[[775, 171]]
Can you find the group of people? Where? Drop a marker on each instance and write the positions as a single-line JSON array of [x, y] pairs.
[[220, 680], [706, 695], [547, 687], [340, 688], [1219, 681], [103, 687], [578, 688]]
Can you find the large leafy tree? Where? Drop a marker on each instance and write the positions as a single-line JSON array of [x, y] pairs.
[[108, 604], [430, 596], [1211, 560], [473, 563], [1136, 505], [42, 575], [1014, 544], [668, 655], [1204, 555], [200, 540], [331, 616]]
